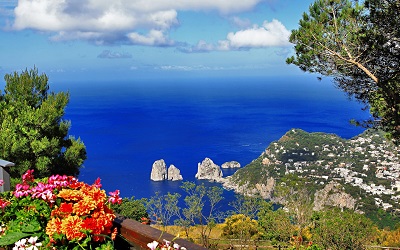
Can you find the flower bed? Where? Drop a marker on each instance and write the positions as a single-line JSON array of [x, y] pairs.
[[57, 213]]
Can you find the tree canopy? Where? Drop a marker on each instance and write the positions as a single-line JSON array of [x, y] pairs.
[[33, 134], [358, 44]]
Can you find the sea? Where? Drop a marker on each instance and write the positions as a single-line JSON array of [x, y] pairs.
[[128, 125]]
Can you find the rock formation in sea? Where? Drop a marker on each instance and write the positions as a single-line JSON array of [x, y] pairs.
[[174, 174], [208, 170], [159, 172], [231, 164]]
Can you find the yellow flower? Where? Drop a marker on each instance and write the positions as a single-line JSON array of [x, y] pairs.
[[70, 195], [71, 226], [53, 226], [84, 206]]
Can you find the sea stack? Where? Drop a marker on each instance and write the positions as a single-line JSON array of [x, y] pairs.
[[231, 164], [159, 171], [174, 174], [208, 170]]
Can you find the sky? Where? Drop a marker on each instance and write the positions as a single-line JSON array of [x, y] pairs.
[[80, 40]]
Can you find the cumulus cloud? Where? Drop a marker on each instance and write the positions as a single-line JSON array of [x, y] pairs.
[[153, 38], [270, 34], [113, 55], [103, 21]]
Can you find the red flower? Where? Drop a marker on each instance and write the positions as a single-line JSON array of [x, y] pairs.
[[28, 176], [90, 224], [97, 183], [66, 208]]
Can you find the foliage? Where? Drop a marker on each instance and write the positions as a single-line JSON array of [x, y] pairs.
[[132, 209], [198, 196], [200, 209], [389, 238], [297, 199], [60, 212], [275, 225], [247, 205], [242, 227], [33, 134], [335, 229], [359, 46], [163, 207]]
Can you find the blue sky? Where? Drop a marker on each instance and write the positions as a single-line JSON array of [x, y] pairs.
[[125, 39]]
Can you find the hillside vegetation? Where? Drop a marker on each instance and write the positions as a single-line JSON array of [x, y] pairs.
[[366, 168]]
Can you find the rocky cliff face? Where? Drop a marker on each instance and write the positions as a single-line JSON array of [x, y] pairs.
[[333, 195], [159, 172], [174, 174], [208, 170], [265, 190], [231, 164]]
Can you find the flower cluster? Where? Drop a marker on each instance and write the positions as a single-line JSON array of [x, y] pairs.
[[166, 245], [3, 202], [82, 209], [61, 210], [27, 244]]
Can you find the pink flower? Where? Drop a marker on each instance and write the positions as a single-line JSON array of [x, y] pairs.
[[22, 190], [1, 182], [167, 243], [44, 192], [153, 245], [60, 181], [34, 244], [21, 244], [115, 197]]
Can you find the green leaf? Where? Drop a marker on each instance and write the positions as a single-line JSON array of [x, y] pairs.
[[12, 237], [32, 227]]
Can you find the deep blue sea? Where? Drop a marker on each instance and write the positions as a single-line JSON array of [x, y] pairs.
[[126, 126]]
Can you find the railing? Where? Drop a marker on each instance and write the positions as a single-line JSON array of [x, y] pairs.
[[138, 235]]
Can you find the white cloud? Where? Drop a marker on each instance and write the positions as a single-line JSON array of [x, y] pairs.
[[201, 46], [185, 68], [113, 55], [153, 38], [270, 34], [240, 22], [104, 21]]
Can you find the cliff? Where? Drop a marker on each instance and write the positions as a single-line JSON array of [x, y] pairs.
[[333, 195]]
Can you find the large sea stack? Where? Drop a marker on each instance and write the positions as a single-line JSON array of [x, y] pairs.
[[174, 174], [208, 170], [159, 171]]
